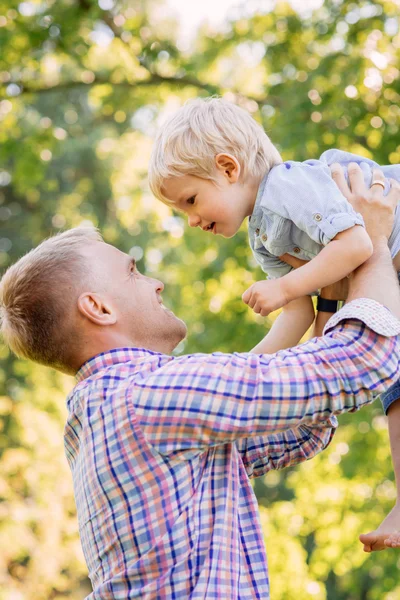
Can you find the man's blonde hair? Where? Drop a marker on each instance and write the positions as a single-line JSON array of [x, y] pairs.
[[36, 299], [189, 141]]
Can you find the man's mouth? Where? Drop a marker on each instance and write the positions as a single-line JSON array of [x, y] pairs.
[[163, 305]]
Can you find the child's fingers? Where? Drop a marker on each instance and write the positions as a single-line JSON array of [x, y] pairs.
[[246, 295], [339, 178], [249, 297], [356, 178]]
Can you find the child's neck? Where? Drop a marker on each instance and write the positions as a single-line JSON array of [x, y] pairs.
[[252, 184]]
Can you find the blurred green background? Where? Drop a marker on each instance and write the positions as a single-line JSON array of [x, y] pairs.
[[84, 86]]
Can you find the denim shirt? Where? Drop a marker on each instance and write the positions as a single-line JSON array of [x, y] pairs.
[[299, 210]]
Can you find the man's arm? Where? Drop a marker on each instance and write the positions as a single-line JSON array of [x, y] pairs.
[[197, 401], [387, 534]]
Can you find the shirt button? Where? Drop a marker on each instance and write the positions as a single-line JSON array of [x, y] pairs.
[[264, 237], [296, 250], [257, 231], [317, 217]]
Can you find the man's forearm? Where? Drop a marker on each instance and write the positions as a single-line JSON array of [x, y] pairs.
[[377, 279], [320, 321]]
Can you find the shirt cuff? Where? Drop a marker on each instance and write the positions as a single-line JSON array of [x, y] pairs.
[[375, 316], [333, 224]]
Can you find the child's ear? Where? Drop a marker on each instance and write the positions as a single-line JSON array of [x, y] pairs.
[[229, 166]]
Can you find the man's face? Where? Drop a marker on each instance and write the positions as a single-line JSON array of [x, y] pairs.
[[217, 208], [135, 298]]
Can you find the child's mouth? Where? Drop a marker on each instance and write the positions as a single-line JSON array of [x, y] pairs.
[[211, 227]]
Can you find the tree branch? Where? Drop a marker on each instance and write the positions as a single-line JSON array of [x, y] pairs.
[[154, 79]]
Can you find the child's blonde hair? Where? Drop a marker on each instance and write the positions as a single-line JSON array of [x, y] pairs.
[[189, 141], [36, 299]]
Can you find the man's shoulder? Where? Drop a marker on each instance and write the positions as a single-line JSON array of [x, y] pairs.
[[119, 373]]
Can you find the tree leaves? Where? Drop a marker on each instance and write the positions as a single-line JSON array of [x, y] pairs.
[[83, 90]]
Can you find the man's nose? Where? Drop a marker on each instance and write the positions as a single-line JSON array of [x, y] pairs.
[[158, 285], [194, 220]]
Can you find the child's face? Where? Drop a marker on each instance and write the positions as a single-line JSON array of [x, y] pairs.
[[218, 208]]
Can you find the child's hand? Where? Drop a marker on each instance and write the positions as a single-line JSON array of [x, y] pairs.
[[265, 296]]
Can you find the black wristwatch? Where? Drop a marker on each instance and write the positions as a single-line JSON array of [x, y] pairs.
[[324, 305]]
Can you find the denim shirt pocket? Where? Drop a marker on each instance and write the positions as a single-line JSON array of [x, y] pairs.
[[261, 232], [279, 238]]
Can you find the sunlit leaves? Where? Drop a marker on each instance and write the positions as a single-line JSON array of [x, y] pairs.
[[77, 151]]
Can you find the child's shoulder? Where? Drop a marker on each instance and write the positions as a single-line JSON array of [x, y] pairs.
[[293, 174], [327, 158], [300, 186]]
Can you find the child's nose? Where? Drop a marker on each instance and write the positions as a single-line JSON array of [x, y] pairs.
[[193, 220]]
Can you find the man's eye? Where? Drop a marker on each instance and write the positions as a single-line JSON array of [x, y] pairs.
[[191, 200]]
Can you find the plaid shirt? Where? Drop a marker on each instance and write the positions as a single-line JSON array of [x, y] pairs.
[[162, 450]]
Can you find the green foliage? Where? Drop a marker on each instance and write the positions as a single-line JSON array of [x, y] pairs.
[[81, 94]]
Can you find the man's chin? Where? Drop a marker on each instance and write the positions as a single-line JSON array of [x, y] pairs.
[[177, 331], [181, 330]]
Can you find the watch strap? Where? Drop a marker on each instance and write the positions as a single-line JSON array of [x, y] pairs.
[[325, 305]]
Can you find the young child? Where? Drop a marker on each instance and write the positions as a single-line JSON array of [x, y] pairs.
[[212, 161]]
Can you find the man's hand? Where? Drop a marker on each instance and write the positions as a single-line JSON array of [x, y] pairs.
[[377, 210], [374, 279], [265, 296]]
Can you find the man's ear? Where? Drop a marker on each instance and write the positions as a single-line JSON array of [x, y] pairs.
[[229, 166], [94, 308]]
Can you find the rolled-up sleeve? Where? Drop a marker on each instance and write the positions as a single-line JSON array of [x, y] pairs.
[[197, 401], [261, 454], [305, 194]]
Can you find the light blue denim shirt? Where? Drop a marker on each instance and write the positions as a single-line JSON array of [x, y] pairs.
[[299, 209]]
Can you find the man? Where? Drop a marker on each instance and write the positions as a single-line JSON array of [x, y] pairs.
[[161, 448]]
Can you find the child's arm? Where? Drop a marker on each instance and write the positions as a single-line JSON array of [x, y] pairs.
[[347, 251], [289, 327]]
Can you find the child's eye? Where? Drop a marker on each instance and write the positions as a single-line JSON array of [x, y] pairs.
[[191, 200]]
